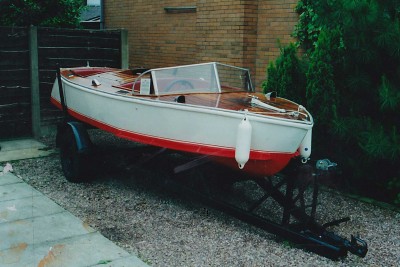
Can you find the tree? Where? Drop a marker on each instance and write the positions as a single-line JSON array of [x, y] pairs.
[[63, 13], [352, 49], [287, 76]]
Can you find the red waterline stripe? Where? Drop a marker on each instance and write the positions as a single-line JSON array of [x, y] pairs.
[[170, 144]]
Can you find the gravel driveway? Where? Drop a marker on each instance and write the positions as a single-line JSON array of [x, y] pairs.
[[129, 206]]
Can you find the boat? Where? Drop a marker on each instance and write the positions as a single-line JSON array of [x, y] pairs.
[[211, 109]]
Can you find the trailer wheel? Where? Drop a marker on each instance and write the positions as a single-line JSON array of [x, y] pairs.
[[73, 163]]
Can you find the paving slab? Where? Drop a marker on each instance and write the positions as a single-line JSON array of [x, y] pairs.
[[23, 149], [35, 231], [25, 208], [8, 178], [17, 190], [69, 252]]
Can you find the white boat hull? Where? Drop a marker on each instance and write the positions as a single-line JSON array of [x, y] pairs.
[[183, 127]]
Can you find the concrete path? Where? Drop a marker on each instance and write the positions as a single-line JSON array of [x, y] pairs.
[[35, 231]]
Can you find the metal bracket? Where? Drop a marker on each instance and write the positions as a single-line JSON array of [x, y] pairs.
[[192, 164]]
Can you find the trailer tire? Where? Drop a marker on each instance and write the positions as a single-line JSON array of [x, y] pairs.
[[73, 163]]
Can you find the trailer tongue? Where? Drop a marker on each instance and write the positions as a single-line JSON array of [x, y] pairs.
[[298, 223]]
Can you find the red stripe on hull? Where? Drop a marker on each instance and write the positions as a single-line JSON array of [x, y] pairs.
[[259, 168], [260, 163]]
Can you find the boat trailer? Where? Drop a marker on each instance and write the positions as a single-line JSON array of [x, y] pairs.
[[293, 194], [288, 190]]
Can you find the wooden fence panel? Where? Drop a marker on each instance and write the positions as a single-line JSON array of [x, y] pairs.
[[72, 48], [15, 95], [66, 47]]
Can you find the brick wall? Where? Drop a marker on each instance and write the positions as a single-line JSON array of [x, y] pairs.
[[276, 21], [238, 32]]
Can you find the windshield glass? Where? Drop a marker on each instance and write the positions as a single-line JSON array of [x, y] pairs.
[[186, 79], [234, 78], [198, 78]]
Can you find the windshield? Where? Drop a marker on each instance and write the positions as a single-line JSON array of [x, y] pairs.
[[186, 79], [198, 78], [233, 78]]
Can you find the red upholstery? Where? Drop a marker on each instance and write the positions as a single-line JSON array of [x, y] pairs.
[[85, 72]]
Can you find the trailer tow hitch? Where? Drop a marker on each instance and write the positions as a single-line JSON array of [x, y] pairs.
[[358, 246]]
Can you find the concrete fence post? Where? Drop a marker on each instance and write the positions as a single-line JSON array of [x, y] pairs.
[[124, 49], [34, 73]]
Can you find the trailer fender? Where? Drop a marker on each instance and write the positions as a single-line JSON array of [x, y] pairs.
[[80, 134]]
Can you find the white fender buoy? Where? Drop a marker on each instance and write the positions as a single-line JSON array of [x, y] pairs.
[[243, 142], [305, 146]]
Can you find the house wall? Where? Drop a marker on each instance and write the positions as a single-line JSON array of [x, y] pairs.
[[238, 32], [276, 21]]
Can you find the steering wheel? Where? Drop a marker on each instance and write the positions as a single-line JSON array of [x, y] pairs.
[[179, 85]]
